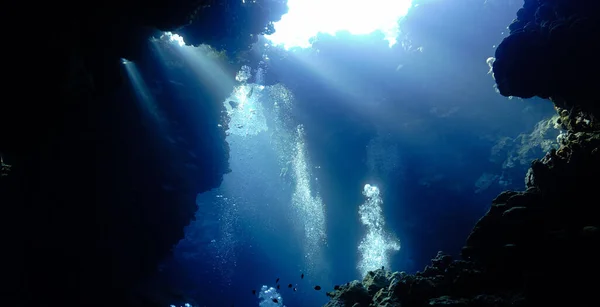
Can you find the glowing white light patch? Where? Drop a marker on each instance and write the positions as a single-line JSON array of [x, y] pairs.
[[306, 18], [376, 246], [173, 38]]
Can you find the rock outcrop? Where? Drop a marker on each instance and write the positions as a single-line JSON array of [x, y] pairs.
[[94, 196]]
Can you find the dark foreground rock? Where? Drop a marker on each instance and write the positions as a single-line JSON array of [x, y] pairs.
[[93, 194]]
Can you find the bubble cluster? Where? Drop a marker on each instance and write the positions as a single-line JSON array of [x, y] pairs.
[[245, 111], [244, 74], [310, 207], [267, 295], [377, 244]]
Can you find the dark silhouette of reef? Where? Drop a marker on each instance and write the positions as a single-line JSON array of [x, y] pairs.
[[551, 53], [534, 247], [95, 196]]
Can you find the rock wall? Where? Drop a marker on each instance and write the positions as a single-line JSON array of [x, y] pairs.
[[94, 197]]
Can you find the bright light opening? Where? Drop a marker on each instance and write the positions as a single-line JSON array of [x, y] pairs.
[[306, 18], [173, 38]]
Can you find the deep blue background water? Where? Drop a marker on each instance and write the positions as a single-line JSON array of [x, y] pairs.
[[437, 118]]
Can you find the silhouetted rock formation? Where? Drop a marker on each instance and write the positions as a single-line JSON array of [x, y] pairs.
[[95, 196]]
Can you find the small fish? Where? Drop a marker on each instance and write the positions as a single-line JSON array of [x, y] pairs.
[[275, 300], [347, 284], [336, 287], [253, 292], [290, 285], [277, 280], [302, 276], [278, 287], [295, 289], [383, 267], [317, 288]]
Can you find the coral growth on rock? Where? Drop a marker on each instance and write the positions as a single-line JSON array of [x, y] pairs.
[[446, 282], [515, 154]]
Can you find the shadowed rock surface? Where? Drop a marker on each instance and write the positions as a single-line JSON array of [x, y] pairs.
[[95, 195]]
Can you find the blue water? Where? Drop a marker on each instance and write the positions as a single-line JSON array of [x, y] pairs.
[[308, 131]]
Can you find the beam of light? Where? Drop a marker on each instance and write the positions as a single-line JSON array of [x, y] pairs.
[[327, 74], [310, 207], [208, 68], [376, 246], [142, 92], [306, 18], [205, 62]]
